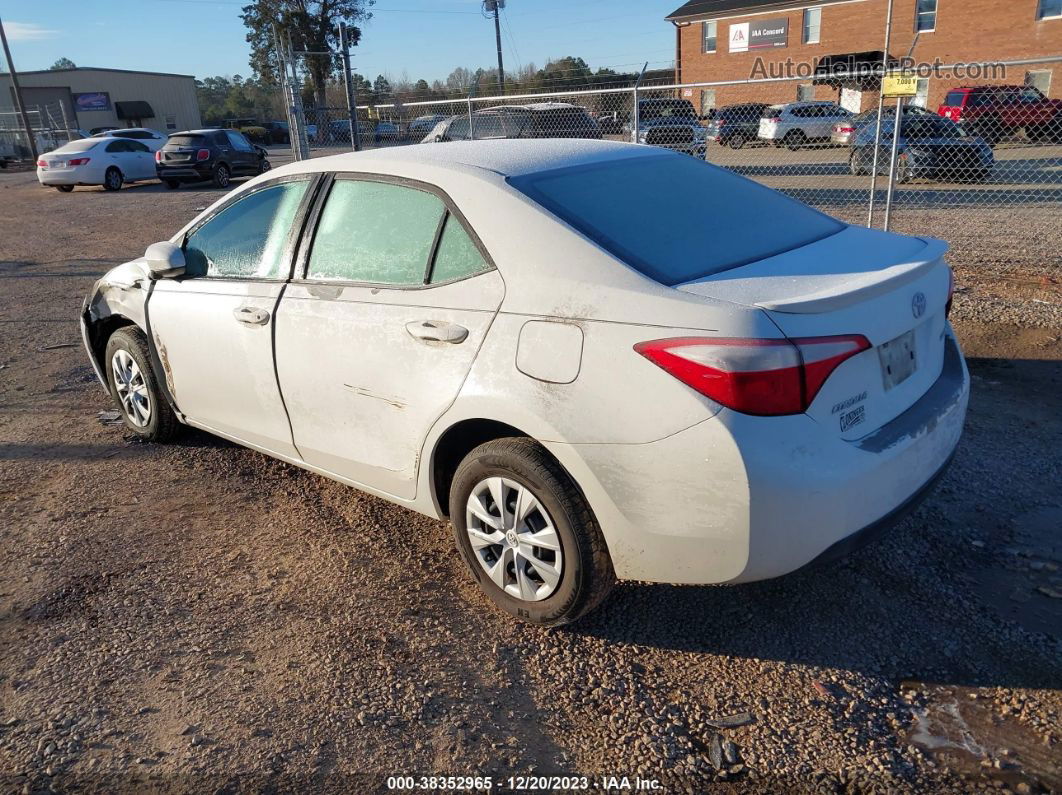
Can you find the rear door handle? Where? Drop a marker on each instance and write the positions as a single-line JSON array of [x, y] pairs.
[[251, 316], [437, 331]]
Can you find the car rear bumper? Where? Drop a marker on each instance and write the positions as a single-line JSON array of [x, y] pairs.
[[185, 172], [738, 498]]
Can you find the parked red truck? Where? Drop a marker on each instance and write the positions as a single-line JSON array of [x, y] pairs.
[[996, 112]]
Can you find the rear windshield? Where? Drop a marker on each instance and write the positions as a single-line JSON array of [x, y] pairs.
[[80, 145], [771, 111], [185, 140], [662, 109], [674, 218]]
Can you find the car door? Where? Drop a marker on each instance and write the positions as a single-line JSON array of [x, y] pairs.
[[122, 155], [213, 327], [375, 338], [245, 159], [141, 159]]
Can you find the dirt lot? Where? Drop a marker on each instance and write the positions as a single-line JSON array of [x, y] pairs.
[[200, 617]]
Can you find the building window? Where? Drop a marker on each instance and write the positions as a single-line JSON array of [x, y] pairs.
[[1049, 9], [708, 33], [926, 16], [171, 122], [805, 93], [707, 101], [812, 25], [1040, 79]]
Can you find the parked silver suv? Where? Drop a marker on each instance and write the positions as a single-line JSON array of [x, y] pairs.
[[801, 123]]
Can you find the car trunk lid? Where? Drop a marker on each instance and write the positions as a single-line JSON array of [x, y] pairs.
[[891, 289]]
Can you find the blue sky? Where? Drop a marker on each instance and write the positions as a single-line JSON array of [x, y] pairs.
[[423, 38]]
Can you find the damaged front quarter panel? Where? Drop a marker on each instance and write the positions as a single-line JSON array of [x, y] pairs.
[[118, 299]]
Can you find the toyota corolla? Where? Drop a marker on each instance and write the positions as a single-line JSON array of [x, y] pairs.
[[597, 360]]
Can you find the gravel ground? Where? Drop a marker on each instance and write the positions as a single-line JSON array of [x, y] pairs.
[[200, 617]]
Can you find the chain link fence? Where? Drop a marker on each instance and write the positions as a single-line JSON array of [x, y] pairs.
[[49, 124]]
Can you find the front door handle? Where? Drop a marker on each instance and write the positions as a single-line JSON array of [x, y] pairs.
[[251, 316], [437, 331]]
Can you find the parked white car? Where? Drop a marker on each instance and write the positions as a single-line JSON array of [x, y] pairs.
[[152, 139], [799, 124], [589, 381], [109, 162]]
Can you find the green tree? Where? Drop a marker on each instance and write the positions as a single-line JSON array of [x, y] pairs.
[[381, 87], [313, 26], [62, 63]]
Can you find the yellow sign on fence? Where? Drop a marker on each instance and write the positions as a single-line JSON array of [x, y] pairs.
[[897, 85]]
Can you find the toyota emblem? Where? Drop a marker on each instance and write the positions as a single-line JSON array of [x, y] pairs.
[[918, 304]]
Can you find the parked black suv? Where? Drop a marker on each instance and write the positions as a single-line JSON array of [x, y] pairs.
[[736, 125], [215, 155]]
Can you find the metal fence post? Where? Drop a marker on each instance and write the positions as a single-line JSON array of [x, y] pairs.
[[636, 116], [471, 118], [892, 161], [881, 109]]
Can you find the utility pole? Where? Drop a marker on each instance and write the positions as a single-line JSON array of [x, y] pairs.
[[496, 6], [352, 101], [18, 95]]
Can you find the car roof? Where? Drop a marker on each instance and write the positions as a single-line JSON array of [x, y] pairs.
[[508, 157]]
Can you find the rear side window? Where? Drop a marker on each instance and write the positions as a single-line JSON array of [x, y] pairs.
[[674, 218], [954, 99], [375, 232], [247, 239], [457, 256]]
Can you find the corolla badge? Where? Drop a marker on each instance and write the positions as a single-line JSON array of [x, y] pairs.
[[918, 304]]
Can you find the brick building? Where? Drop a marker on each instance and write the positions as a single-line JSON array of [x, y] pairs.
[[719, 40]]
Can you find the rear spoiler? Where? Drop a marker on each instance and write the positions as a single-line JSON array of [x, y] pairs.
[[861, 286]]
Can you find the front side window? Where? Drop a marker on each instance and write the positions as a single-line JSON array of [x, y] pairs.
[[457, 256], [926, 16], [812, 25], [458, 130], [247, 239], [239, 142], [1049, 9], [804, 93], [375, 232], [708, 34]]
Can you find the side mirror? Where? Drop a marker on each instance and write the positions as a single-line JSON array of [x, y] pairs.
[[164, 260]]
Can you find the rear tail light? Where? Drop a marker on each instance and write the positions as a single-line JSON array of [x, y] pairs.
[[951, 292], [754, 376], [42, 163], [158, 156], [202, 154], [841, 129], [775, 119], [78, 161]]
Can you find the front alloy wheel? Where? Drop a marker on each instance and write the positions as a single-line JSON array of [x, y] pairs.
[[131, 388], [514, 539]]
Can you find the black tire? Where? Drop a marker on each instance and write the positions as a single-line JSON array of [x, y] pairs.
[[857, 165], [113, 179], [990, 130], [172, 184], [221, 176], [162, 424], [64, 188], [794, 140], [586, 571], [264, 165], [903, 171], [737, 141]]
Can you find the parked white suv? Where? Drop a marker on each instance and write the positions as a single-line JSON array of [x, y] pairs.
[[801, 123]]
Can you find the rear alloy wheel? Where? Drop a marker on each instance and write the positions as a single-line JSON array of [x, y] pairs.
[[64, 188], [794, 140], [113, 179], [173, 184], [134, 389], [221, 176], [527, 534], [738, 141], [903, 170], [857, 165]]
